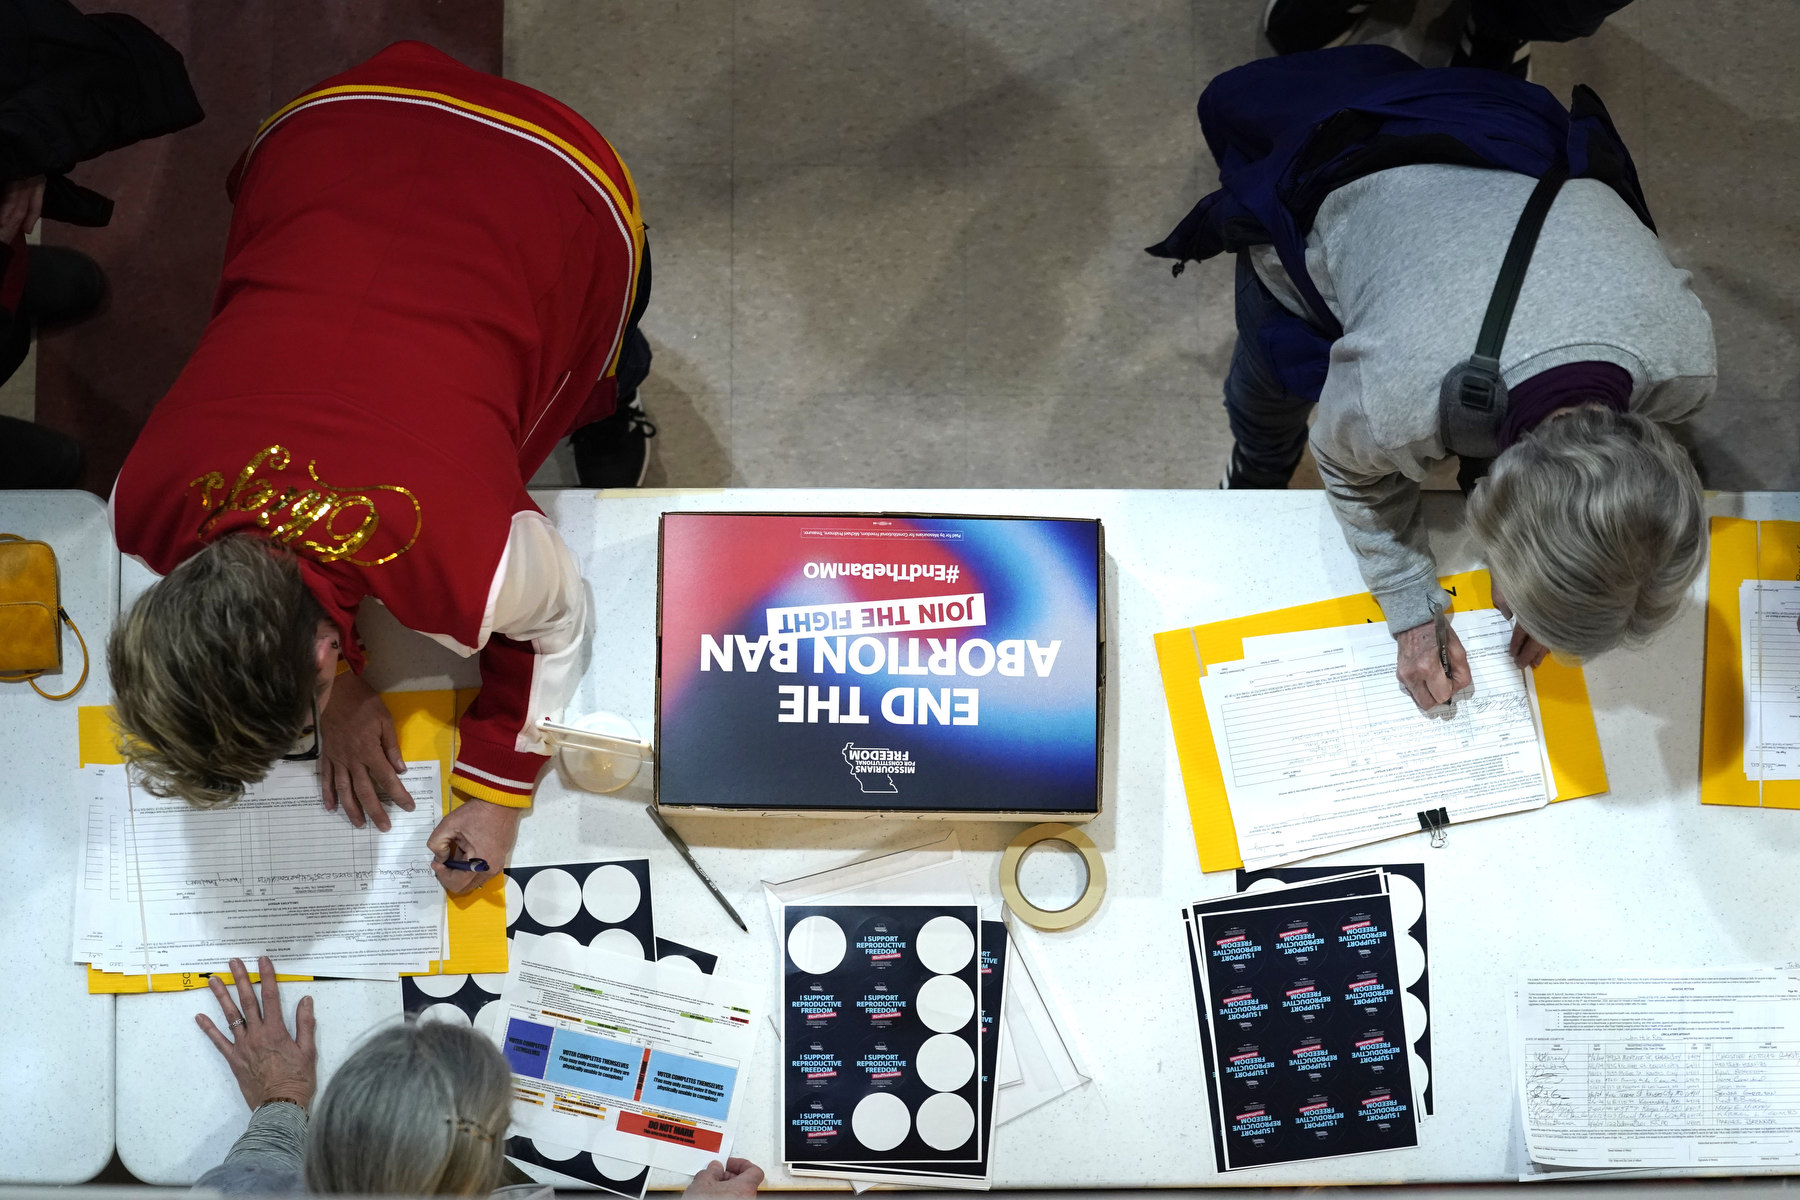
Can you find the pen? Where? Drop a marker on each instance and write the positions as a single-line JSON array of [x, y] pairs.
[[682, 849], [1442, 624], [465, 864]]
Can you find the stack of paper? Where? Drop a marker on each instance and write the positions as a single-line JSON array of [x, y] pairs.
[[1309, 997], [594, 1002], [162, 887], [1321, 749]]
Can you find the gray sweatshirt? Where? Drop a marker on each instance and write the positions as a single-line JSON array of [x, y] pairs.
[[1406, 259], [267, 1160]]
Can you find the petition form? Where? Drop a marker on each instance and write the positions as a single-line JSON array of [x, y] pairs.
[[1320, 748], [167, 887], [1767, 612], [1685, 1069]]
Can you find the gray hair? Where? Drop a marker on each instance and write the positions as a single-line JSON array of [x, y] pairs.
[[1592, 527], [213, 670], [418, 1109]]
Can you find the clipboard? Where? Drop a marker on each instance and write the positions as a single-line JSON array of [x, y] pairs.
[[425, 722], [1571, 742], [1740, 550]]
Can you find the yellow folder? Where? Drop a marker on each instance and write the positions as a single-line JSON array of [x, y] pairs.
[[1572, 744], [1740, 550], [426, 725]]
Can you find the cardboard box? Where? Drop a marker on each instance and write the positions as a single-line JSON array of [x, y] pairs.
[[880, 665]]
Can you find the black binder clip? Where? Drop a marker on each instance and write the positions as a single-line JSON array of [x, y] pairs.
[[1436, 822]]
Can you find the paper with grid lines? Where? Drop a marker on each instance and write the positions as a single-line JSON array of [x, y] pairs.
[[1320, 748]]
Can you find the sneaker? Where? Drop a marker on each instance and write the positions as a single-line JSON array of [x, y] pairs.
[[614, 452], [1477, 49], [1295, 25], [62, 287]]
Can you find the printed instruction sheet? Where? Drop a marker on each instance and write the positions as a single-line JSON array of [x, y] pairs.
[[631, 1059], [1767, 612]]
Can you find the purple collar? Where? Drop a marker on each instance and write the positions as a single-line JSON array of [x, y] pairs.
[[1563, 387]]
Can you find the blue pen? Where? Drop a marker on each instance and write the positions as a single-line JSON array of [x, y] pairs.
[[464, 864]]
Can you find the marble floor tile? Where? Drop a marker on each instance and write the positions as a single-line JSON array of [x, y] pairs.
[[1061, 294], [1081, 85], [655, 78], [848, 280], [905, 440], [840, 81]]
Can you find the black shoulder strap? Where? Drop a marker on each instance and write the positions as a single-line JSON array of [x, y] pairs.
[[1472, 398]]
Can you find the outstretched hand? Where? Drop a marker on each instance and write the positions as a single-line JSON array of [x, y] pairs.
[[267, 1063], [359, 754], [738, 1179]]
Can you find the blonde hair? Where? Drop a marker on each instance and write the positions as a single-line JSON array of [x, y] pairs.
[[213, 670], [1593, 527], [418, 1109]]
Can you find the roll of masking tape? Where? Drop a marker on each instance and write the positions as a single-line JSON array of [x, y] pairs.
[[1062, 918]]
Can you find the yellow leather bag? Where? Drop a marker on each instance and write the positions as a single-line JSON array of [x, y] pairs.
[[30, 612]]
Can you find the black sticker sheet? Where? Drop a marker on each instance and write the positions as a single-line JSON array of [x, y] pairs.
[[993, 992], [1299, 1070], [674, 951], [880, 1034], [605, 905], [1406, 894]]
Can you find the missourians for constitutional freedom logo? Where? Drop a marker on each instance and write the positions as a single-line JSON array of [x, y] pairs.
[[874, 767]]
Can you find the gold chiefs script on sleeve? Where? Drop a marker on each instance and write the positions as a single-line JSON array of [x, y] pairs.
[[312, 519]]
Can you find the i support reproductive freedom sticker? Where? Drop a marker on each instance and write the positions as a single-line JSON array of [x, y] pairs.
[[880, 944], [816, 1066], [1360, 933], [1236, 950]]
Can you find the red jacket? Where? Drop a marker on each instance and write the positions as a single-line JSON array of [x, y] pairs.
[[426, 281]]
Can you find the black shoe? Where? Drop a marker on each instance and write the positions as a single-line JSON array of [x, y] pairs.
[[1295, 25], [34, 457], [614, 452], [62, 287], [1477, 49]]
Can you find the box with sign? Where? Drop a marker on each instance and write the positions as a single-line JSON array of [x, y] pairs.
[[931, 666]]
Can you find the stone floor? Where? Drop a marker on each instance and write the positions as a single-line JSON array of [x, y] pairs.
[[898, 242]]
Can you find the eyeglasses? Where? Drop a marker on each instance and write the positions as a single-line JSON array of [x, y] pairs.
[[312, 752]]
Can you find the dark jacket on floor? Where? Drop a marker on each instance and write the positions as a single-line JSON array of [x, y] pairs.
[[74, 86]]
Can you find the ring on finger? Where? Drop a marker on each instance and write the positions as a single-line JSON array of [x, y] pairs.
[[236, 1023]]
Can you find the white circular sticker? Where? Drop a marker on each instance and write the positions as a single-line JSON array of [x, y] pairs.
[[618, 941], [681, 962], [816, 945], [490, 983], [439, 985], [1413, 1016], [1411, 957], [515, 902], [945, 1121], [489, 1019], [945, 1062], [1405, 899], [945, 1004], [881, 1121], [945, 944], [555, 1152], [612, 894], [552, 896], [449, 1014], [617, 1169]]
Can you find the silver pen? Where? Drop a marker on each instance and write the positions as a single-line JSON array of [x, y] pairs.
[[681, 848]]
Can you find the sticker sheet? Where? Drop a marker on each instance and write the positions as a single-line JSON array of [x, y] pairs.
[[1412, 948], [1303, 1028], [880, 1034], [993, 993], [603, 905]]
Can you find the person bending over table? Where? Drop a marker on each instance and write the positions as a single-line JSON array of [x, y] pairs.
[[1370, 202], [432, 275], [418, 1109]]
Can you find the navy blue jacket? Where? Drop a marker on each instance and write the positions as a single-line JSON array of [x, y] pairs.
[[1287, 131]]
